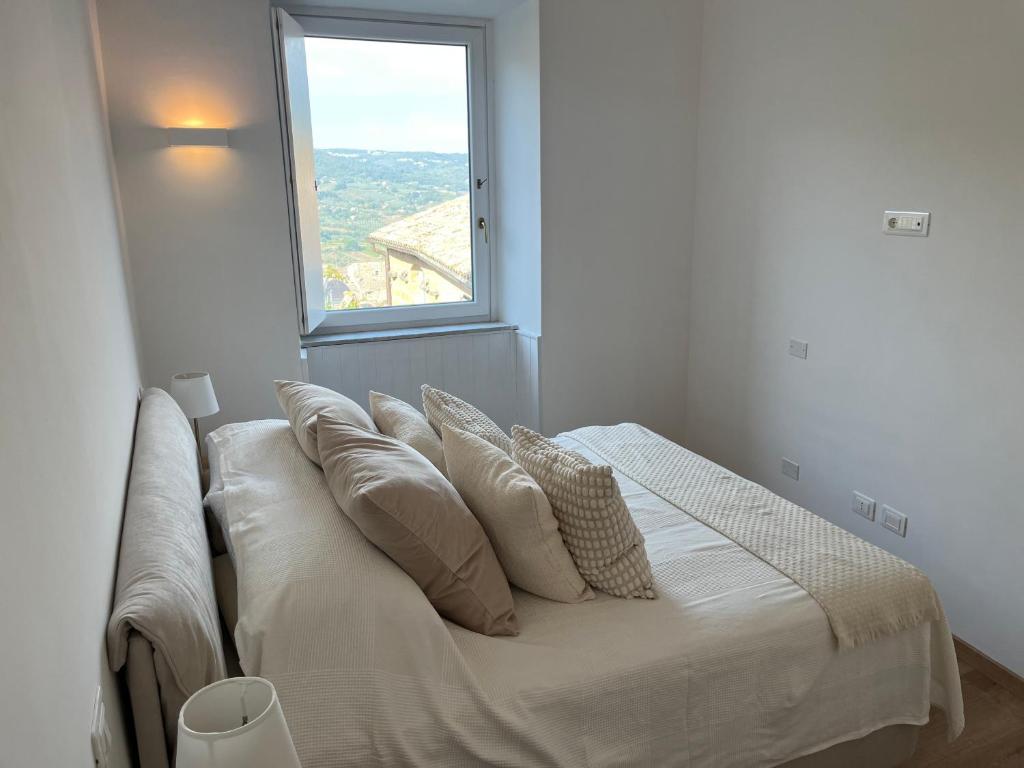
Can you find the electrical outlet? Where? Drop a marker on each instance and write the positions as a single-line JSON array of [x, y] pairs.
[[798, 348], [100, 732], [790, 469], [912, 223], [864, 506], [894, 521]]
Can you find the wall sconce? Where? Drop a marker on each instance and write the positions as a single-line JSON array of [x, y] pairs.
[[197, 137]]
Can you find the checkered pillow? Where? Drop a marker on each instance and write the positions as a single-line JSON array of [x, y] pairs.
[[593, 519], [444, 409]]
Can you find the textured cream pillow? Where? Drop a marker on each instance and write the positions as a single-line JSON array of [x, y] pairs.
[[595, 523], [516, 516], [401, 421], [442, 408], [301, 402], [405, 507]]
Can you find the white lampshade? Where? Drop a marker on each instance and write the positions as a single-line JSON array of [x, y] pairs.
[[194, 393], [211, 733]]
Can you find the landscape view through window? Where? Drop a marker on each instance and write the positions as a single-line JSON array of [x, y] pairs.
[[391, 150]]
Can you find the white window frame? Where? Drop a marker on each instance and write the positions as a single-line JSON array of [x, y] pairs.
[[473, 34]]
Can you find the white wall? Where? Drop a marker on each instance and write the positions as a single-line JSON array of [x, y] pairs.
[[517, 176], [208, 237], [619, 90], [816, 117], [68, 388], [207, 229]]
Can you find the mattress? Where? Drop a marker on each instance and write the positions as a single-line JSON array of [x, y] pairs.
[[732, 665]]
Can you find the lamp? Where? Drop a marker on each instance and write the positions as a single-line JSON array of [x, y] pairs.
[[197, 137], [235, 723], [195, 395]]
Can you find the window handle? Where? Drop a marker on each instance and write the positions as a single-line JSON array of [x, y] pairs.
[[481, 223]]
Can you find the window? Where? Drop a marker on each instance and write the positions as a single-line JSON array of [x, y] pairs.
[[386, 138]]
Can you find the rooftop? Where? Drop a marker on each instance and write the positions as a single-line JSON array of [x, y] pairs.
[[438, 236]]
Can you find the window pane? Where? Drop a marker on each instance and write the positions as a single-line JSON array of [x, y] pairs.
[[391, 148]]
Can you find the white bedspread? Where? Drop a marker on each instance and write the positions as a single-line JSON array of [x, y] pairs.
[[733, 664], [866, 592]]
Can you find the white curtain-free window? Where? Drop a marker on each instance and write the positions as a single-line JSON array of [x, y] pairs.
[[385, 130]]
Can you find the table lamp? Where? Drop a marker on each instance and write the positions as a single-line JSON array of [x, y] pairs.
[[235, 723], [195, 395]]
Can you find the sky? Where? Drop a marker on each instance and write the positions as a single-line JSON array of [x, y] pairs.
[[392, 96]]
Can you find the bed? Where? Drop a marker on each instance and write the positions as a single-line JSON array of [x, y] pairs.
[[733, 665]]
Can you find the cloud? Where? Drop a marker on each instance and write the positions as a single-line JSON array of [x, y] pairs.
[[383, 95]]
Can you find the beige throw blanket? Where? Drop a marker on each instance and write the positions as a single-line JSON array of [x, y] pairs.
[[866, 592]]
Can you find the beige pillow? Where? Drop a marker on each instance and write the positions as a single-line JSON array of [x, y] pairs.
[[401, 421], [301, 402], [516, 516], [442, 408], [405, 506], [595, 523]]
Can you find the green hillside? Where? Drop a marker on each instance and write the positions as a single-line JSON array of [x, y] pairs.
[[361, 190]]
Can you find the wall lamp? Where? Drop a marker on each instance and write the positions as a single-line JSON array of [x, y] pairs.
[[197, 137]]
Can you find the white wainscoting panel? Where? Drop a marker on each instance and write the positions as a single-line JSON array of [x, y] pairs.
[[528, 379], [494, 370]]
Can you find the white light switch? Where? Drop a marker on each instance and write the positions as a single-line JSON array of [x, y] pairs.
[[790, 469], [912, 223], [798, 348], [894, 521]]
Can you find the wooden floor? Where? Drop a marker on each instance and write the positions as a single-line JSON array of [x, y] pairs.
[[993, 736]]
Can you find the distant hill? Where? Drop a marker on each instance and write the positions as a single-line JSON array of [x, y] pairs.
[[362, 190]]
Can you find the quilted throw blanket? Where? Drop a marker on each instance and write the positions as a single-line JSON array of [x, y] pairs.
[[865, 592]]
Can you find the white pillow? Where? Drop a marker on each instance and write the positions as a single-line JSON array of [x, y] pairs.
[[302, 403], [397, 419], [595, 522], [516, 515], [442, 408]]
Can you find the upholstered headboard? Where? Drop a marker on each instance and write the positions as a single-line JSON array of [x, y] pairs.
[[165, 625]]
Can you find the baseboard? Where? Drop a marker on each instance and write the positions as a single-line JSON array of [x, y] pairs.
[[990, 668]]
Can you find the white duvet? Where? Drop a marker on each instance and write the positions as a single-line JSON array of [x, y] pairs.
[[733, 664]]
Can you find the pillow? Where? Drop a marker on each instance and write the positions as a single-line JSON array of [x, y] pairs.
[[595, 523], [442, 408], [516, 516], [397, 419], [404, 506], [302, 402]]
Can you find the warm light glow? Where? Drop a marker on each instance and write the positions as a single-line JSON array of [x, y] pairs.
[[197, 164], [186, 102], [193, 104]]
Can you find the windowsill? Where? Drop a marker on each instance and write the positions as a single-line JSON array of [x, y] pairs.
[[396, 334]]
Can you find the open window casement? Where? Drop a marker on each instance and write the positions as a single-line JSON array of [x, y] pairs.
[[298, 137], [398, 232]]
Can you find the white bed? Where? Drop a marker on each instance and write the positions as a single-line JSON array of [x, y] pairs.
[[732, 665]]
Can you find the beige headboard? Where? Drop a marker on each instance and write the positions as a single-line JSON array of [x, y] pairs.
[[165, 624]]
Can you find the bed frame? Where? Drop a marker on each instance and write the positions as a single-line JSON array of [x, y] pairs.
[[155, 701], [165, 630]]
